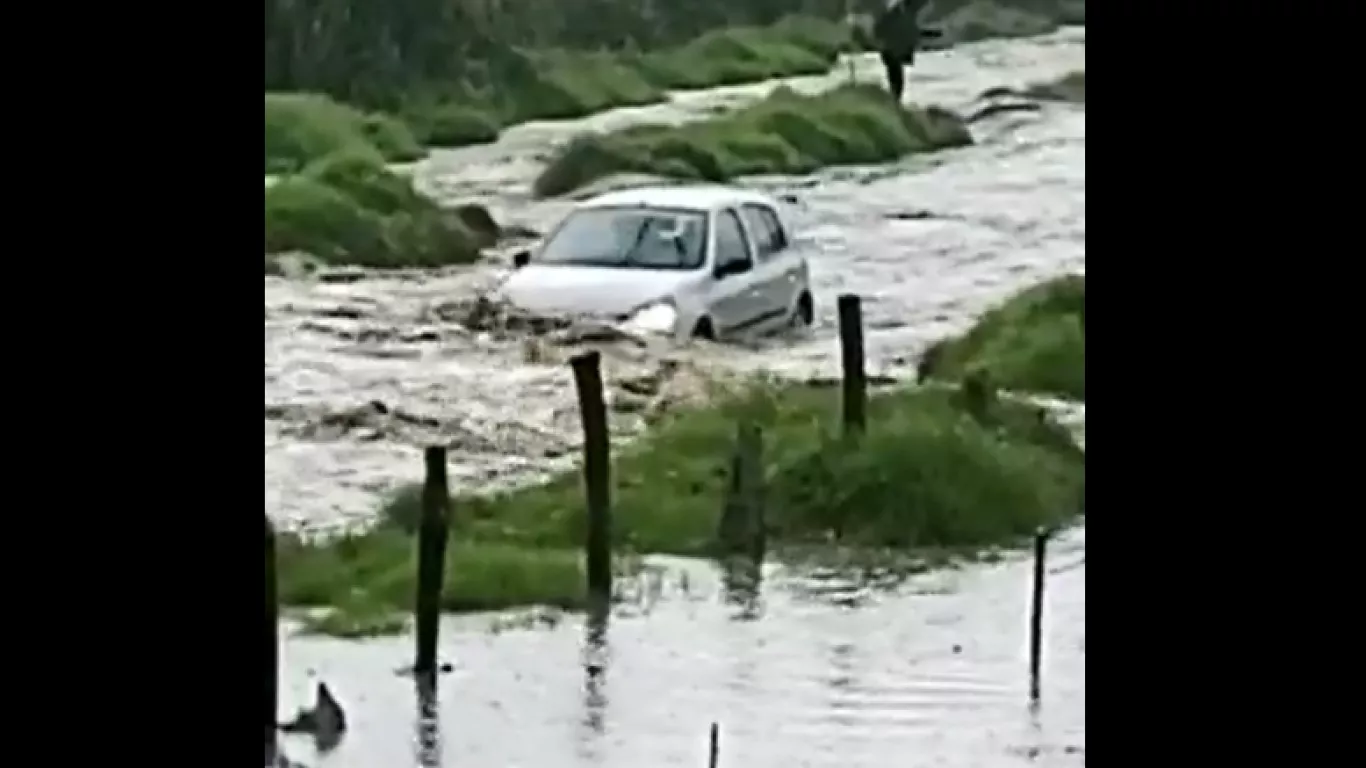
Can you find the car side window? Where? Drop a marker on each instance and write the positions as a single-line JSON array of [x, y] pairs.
[[765, 228], [731, 244]]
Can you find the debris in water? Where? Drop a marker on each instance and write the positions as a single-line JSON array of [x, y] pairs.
[[326, 721]]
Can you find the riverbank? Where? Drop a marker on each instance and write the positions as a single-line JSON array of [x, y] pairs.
[[551, 84], [1034, 342], [508, 83], [348, 208], [940, 470], [785, 133]]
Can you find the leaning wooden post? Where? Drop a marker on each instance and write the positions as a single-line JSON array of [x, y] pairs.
[[1036, 614], [851, 356], [596, 474], [272, 642], [432, 534]]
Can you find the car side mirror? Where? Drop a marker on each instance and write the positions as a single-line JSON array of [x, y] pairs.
[[728, 268], [521, 258]]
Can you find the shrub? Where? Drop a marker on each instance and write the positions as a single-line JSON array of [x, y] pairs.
[[303, 127], [349, 209], [785, 133], [1033, 342], [928, 473]]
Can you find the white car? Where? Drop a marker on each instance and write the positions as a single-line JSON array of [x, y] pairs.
[[679, 261]]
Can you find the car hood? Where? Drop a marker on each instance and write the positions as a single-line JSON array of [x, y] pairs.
[[574, 290]]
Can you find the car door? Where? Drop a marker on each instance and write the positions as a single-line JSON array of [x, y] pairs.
[[737, 303], [777, 270]]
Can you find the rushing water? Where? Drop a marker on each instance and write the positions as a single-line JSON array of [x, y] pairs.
[[932, 673]]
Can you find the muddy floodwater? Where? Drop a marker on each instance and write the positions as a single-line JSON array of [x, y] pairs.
[[820, 672]]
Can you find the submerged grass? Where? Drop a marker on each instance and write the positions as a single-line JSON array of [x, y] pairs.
[[363, 584], [1033, 342], [930, 474], [786, 133]]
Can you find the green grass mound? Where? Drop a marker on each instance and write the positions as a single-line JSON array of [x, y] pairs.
[[794, 46], [521, 85], [933, 475], [929, 474], [365, 583], [444, 123], [1034, 342], [301, 128], [786, 133], [348, 209]]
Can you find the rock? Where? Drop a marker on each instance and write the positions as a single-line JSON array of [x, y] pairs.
[[293, 265], [1070, 87], [479, 222]]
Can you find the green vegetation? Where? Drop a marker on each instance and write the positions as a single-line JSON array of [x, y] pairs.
[[457, 72], [530, 85], [785, 133], [347, 208], [930, 474], [301, 127], [1034, 342], [941, 470], [365, 582]]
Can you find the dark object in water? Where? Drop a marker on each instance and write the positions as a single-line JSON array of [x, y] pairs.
[[326, 721]]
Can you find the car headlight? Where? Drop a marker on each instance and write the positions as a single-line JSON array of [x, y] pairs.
[[659, 317]]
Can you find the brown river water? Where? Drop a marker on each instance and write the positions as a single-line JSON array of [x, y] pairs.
[[822, 671]]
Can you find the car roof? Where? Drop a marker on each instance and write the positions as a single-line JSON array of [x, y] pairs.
[[696, 197]]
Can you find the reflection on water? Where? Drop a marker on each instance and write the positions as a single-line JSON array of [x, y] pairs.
[[428, 721], [934, 672], [596, 659]]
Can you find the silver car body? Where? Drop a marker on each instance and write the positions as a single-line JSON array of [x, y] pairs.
[[753, 283]]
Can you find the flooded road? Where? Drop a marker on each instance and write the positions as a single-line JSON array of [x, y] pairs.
[[821, 674], [932, 673], [928, 243]]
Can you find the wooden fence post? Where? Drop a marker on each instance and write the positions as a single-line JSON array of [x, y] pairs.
[[714, 747], [596, 474], [1036, 614], [433, 532], [851, 357]]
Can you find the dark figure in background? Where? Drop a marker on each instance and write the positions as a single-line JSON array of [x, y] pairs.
[[897, 33]]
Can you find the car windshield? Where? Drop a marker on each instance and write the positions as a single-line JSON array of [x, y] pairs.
[[635, 237]]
